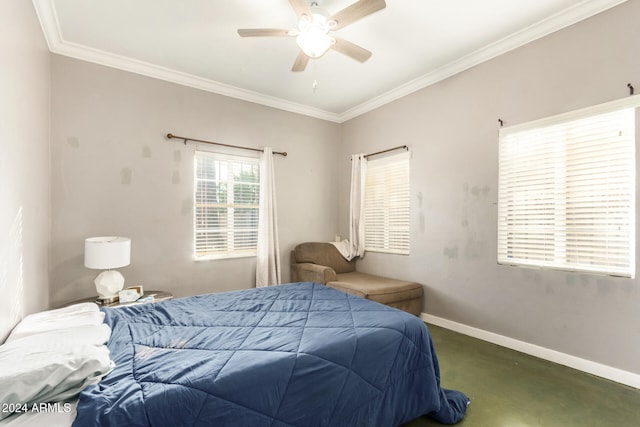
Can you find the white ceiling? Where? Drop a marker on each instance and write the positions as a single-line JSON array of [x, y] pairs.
[[194, 42]]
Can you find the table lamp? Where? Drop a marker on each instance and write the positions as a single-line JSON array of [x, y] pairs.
[[107, 253]]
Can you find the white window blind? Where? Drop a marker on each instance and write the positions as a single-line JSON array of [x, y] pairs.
[[567, 192], [386, 204], [226, 200]]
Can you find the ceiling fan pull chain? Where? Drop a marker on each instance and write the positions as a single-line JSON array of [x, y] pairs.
[[314, 73]]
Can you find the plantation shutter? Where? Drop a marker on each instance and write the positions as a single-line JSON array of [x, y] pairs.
[[386, 204], [567, 192], [226, 201]]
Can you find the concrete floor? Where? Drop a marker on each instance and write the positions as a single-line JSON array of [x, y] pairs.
[[511, 389]]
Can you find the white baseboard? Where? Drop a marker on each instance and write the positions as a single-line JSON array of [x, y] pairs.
[[598, 369]]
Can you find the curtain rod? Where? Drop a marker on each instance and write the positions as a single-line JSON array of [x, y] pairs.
[[399, 147], [185, 139]]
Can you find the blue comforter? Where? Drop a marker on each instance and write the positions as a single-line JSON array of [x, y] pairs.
[[298, 354]]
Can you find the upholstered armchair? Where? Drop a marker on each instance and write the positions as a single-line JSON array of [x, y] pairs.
[[322, 263]]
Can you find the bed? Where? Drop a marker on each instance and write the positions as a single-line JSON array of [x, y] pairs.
[[299, 354]]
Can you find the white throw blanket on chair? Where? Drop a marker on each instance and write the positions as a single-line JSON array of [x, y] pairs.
[[355, 245]]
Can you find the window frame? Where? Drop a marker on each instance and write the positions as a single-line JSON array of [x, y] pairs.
[[568, 255], [230, 229]]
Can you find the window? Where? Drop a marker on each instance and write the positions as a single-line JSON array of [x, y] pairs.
[[386, 204], [227, 194], [567, 191]]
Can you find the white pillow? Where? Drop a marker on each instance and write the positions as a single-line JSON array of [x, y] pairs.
[[83, 314], [51, 356], [35, 374], [68, 338]]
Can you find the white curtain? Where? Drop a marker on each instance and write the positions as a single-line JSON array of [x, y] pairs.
[[356, 206], [268, 249]]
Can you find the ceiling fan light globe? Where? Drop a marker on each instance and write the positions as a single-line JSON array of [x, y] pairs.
[[314, 45]]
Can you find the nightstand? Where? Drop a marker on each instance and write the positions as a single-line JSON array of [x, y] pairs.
[[157, 297]]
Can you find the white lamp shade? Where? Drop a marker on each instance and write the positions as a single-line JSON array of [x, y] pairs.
[[103, 253]]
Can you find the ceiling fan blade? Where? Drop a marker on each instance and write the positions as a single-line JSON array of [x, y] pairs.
[[356, 11], [300, 7], [260, 32], [352, 50], [301, 62]]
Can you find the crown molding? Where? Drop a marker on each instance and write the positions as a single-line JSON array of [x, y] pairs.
[[185, 79], [45, 11], [567, 17], [50, 27]]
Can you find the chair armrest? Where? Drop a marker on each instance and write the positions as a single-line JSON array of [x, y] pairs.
[[308, 272]]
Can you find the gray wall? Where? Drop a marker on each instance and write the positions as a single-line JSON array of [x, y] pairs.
[[452, 129], [114, 173], [24, 164]]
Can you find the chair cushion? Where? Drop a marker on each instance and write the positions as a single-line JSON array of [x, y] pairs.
[[323, 253]]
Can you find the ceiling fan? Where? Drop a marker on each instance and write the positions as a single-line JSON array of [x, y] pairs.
[[314, 26]]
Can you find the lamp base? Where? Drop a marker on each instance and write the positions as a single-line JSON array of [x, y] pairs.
[[108, 284]]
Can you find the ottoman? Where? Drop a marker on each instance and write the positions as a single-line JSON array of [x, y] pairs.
[[406, 296]]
